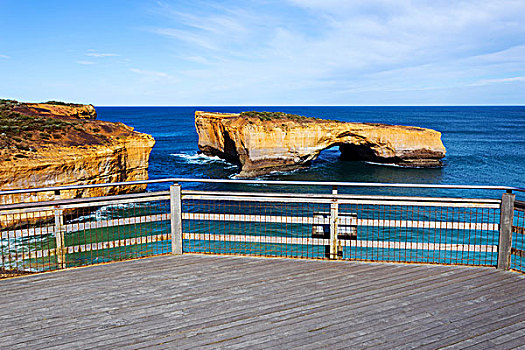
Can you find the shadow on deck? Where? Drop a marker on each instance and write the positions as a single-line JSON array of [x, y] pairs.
[[204, 301]]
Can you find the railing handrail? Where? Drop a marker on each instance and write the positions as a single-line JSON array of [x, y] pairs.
[[267, 182], [71, 203]]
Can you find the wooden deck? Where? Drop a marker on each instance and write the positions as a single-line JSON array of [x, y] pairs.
[[209, 302]]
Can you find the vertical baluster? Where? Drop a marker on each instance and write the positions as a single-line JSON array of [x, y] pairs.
[[176, 219], [505, 230]]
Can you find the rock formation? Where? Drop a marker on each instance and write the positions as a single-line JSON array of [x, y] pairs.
[[262, 142], [57, 110], [45, 145]]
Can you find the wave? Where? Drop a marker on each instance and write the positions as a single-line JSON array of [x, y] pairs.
[[269, 175], [200, 158], [106, 212], [394, 165], [197, 158]]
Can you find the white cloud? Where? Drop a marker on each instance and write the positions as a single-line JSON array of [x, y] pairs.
[[188, 37], [340, 44], [149, 73], [499, 81], [85, 62], [197, 59], [309, 52], [4, 56], [100, 55]]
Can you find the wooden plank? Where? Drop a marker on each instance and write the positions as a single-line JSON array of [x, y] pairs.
[[474, 335], [188, 269], [265, 281], [449, 334], [468, 316], [276, 327], [348, 291], [365, 329], [332, 312], [272, 292], [220, 269], [264, 261], [130, 308]]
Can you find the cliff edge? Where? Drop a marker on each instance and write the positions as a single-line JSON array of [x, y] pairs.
[[58, 144], [262, 142]]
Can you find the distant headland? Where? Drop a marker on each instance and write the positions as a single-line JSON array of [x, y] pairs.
[[263, 142], [56, 143]]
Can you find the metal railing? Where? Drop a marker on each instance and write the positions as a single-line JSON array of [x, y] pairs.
[[49, 234], [518, 238]]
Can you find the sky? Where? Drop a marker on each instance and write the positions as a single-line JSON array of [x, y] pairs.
[[263, 52]]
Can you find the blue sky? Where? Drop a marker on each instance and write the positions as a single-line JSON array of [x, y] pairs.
[[288, 52]]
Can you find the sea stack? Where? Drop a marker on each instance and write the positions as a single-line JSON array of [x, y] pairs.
[[263, 142]]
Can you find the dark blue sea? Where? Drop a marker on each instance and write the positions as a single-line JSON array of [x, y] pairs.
[[485, 145]]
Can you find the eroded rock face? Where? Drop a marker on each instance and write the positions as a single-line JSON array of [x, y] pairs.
[[262, 144], [77, 152], [57, 110]]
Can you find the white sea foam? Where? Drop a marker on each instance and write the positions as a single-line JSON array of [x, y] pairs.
[[200, 158], [268, 175], [386, 164], [282, 172], [400, 166], [103, 213]]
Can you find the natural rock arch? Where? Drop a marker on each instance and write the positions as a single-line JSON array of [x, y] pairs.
[[261, 144]]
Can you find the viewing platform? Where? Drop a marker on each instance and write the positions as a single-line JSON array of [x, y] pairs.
[[263, 264], [214, 302]]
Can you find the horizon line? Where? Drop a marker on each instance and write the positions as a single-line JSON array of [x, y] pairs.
[[197, 106]]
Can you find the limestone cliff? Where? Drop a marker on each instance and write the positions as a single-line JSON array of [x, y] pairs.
[[57, 110], [262, 142], [53, 145]]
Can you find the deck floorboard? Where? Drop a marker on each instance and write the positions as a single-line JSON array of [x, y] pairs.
[[231, 302]]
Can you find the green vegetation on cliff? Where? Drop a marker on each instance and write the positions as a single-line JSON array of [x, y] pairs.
[[273, 115], [281, 116], [21, 133], [60, 103]]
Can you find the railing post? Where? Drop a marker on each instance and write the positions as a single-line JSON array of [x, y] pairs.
[[60, 251], [334, 221], [176, 219], [505, 230]]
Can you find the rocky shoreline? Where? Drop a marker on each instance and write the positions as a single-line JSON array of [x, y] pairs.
[[54, 144]]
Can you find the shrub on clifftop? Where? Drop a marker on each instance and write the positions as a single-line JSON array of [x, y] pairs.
[[273, 116]]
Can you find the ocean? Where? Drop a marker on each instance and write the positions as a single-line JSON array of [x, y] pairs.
[[485, 145]]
